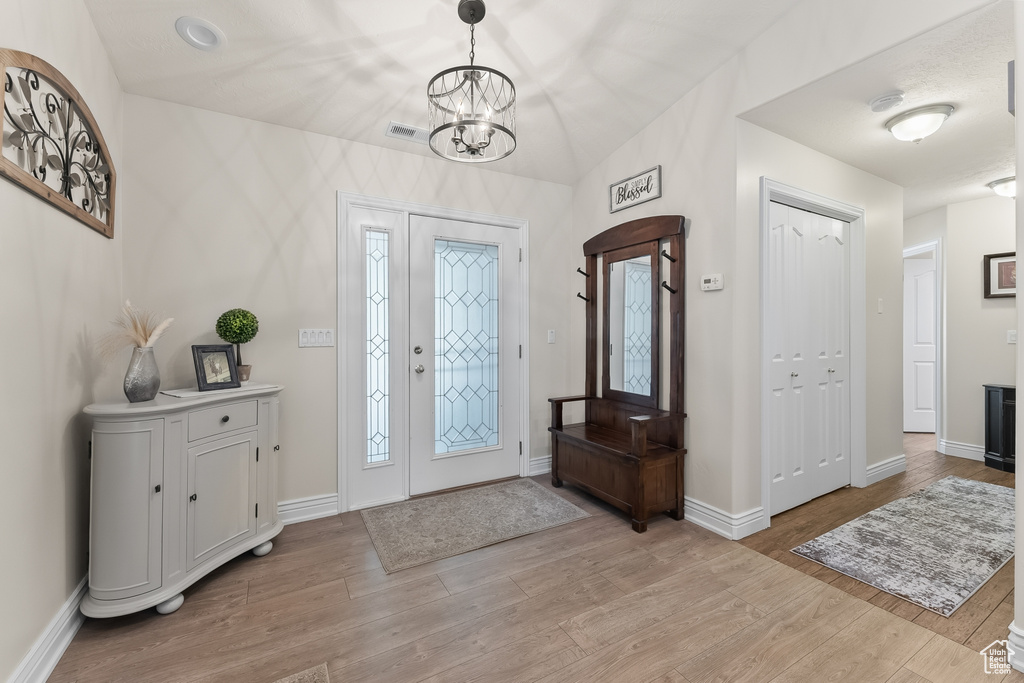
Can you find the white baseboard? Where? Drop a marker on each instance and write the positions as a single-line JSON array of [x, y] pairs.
[[962, 450], [1015, 641], [733, 527], [42, 659], [305, 509], [540, 466], [887, 468]]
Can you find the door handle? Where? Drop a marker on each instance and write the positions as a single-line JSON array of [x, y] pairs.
[[831, 370], [794, 374], [419, 369]]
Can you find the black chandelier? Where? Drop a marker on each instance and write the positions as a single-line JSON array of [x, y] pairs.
[[472, 109]]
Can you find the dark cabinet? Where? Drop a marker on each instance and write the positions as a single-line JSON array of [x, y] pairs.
[[1000, 426]]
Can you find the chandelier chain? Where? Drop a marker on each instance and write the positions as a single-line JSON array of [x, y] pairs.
[[472, 43]]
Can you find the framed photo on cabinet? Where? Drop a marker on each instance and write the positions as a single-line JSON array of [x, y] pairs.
[[215, 367], [1000, 275]]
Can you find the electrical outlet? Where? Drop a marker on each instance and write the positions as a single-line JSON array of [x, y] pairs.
[[1011, 336], [551, 336], [315, 337]]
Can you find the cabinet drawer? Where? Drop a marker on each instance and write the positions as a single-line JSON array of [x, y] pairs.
[[204, 423]]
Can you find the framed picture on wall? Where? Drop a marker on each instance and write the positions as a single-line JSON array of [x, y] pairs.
[[215, 367], [1000, 275]]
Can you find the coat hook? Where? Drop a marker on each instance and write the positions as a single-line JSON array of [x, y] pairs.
[[665, 285], [669, 256], [580, 271], [582, 297]]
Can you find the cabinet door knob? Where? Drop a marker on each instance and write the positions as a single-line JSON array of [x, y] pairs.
[[277, 448], [192, 497], [156, 489], [225, 418]]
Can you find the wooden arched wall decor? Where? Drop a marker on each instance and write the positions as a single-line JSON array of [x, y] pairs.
[[51, 144]]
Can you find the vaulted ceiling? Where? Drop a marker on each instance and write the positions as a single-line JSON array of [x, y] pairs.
[[589, 75]]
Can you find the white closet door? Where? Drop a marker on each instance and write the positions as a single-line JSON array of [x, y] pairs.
[[808, 338]]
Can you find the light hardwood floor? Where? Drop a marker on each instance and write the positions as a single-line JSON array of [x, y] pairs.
[[588, 601], [982, 619]]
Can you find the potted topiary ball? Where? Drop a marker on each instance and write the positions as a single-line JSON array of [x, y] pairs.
[[237, 327]]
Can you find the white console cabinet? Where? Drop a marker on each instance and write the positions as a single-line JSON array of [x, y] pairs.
[[179, 487]]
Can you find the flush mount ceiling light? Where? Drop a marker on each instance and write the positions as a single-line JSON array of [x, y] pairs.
[[917, 124], [471, 109], [1005, 187], [199, 33]]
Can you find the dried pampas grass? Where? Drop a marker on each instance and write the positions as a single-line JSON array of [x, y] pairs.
[[136, 328]]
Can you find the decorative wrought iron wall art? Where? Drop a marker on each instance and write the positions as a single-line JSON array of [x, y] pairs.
[[51, 143]]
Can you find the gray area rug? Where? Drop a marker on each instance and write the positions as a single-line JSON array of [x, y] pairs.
[[422, 530], [935, 548], [318, 674]]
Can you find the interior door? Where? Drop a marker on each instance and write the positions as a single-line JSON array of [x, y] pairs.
[[808, 314], [919, 336], [464, 353]]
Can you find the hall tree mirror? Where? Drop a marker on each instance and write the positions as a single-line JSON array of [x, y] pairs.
[[630, 356]]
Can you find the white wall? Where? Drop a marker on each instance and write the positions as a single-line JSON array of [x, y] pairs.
[[762, 153], [710, 169], [231, 212], [61, 283], [976, 348], [974, 335], [926, 227]]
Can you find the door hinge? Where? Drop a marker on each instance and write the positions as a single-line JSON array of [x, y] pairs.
[[520, 254], [90, 450], [257, 454], [520, 350], [257, 510], [520, 448]]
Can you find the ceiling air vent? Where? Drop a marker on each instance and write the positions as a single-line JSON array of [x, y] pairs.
[[404, 131]]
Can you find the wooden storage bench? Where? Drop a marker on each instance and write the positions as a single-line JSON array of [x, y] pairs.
[[617, 460]]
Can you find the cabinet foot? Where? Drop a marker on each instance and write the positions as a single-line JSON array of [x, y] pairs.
[[639, 526], [172, 605], [263, 549]]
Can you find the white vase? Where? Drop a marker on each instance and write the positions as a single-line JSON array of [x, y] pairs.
[[142, 381]]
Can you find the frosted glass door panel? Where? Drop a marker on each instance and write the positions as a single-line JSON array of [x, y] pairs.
[[465, 346], [378, 350], [464, 367]]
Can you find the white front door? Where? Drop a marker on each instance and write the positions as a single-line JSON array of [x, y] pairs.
[[464, 336], [430, 376], [808, 336], [919, 350]]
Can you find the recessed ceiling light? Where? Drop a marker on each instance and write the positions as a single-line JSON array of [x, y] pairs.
[[1005, 187], [199, 33], [917, 124], [887, 101]]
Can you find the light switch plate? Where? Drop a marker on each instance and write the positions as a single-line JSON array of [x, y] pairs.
[[316, 337], [1011, 336], [712, 282]]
